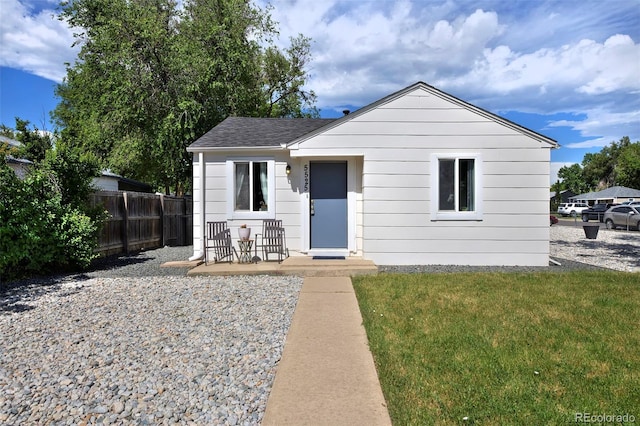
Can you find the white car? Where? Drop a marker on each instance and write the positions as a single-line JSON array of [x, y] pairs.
[[572, 209]]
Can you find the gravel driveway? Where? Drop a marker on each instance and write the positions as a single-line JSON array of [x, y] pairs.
[[132, 343], [613, 249]]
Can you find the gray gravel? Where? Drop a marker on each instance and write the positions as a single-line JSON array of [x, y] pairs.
[[145, 263], [132, 343], [565, 266]]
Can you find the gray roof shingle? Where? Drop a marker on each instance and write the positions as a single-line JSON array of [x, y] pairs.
[[613, 192], [247, 132]]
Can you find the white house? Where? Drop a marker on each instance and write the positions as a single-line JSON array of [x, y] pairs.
[[418, 177], [109, 181]]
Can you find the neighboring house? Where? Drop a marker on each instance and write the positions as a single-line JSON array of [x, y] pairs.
[[562, 197], [418, 177], [109, 181], [19, 165], [615, 194]]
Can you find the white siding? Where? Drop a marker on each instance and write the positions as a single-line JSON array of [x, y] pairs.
[[397, 140], [105, 183], [216, 182]]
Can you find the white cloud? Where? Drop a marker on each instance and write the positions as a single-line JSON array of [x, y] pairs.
[[609, 126], [571, 71], [38, 43], [365, 50]]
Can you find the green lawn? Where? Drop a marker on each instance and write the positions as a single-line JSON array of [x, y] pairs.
[[501, 348]]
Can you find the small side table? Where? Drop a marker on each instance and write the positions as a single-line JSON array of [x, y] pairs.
[[245, 250]]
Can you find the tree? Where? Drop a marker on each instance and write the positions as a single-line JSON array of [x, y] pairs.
[[617, 164], [151, 78], [34, 144], [283, 79], [628, 167], [573, 178], [600, 169], [5, 148]]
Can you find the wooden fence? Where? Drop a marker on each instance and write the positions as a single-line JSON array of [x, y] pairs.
[[139, 220]]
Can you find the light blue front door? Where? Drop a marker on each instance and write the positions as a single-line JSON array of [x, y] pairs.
[[328, 204]]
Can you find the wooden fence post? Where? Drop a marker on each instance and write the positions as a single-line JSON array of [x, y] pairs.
[[125, 238], [163, 232]]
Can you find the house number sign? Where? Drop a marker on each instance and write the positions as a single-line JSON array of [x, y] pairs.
[[306, 177]]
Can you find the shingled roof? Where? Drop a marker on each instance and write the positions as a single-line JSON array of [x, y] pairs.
[[250, 132], [613, 192]]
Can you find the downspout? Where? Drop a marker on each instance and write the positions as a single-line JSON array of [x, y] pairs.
[[198, 253]]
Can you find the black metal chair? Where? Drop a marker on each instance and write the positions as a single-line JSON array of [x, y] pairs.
[[272, 240], [218, 239]]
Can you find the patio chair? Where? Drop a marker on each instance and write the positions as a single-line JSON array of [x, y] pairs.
[[272, 240], [218, 239]]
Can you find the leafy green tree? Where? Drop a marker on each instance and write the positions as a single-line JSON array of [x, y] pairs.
[[35, 144], [283, 79], [573, 178], [600, 169], [74, 173], [7, 132], [151, 78], [7, 149], [628, 167]]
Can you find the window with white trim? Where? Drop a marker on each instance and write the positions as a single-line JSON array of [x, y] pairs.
[[455, 187], [251, 192]]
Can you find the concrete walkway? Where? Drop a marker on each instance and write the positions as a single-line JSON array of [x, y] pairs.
[[326, 375]]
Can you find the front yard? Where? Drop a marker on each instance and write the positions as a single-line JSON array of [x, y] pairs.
[[504, 348]]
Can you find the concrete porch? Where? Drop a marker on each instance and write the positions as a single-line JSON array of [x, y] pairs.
[[294, 265]]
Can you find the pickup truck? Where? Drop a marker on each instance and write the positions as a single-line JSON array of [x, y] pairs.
[[596, 212]]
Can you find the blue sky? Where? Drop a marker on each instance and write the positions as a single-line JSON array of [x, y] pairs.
[[567, 69]]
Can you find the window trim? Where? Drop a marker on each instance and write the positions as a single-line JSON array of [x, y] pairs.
[[233, 214], [436, 214]]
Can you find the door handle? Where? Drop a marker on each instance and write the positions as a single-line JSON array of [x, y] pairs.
[[313, 209]]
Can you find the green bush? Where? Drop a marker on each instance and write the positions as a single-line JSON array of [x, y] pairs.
[[39, 233]]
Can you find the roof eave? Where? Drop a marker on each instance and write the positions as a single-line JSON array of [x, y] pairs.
[[232, 148]]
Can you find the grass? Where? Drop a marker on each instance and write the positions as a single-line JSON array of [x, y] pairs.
[[501, 348]]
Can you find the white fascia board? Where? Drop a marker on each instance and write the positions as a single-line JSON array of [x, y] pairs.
[[234, 149], [326, 154]]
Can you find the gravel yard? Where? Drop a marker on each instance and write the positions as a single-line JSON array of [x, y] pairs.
[[613, 249], [132, 343], [127, 345]]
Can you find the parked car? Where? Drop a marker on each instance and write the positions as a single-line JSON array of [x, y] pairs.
[[554, 220], [623, 216], [571, 209], [596, 212]]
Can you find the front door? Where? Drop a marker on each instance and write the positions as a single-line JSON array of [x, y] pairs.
[[328, 204]]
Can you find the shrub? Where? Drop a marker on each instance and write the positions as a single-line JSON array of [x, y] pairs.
[[38, 232]]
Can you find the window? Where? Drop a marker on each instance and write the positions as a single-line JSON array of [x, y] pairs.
[[455, 183], [251, 186], [251, 192]]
